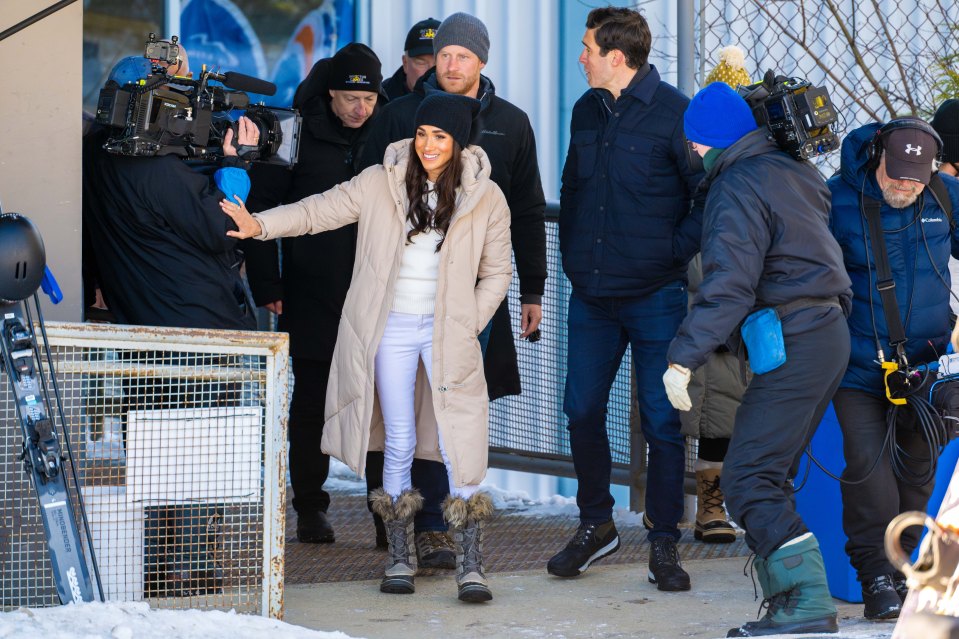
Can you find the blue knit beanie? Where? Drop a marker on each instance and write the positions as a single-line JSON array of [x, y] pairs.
[[717, 116]]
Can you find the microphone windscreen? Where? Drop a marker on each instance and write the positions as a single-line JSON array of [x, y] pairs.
[[248, 83]]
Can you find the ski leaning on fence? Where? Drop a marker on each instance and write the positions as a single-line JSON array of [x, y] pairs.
[[42, 456]]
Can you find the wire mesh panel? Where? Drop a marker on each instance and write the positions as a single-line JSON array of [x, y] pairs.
[[533, 423], [879, 60], [177, 439]]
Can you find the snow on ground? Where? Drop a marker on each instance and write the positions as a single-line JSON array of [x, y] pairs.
[[512, 502], [135, 620]]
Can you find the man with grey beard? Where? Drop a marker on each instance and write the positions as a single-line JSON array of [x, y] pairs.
[[892, 169]]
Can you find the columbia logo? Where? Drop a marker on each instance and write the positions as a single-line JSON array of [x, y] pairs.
[[926, 220]]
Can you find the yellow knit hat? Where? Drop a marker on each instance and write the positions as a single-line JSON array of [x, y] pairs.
[[731, 68]]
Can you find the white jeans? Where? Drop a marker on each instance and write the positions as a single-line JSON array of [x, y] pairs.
[[406, 340]]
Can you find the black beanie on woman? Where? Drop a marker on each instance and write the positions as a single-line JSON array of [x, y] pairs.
[[448, 111]]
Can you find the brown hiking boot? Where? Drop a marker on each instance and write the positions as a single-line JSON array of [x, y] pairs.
[[712, 527], [435, 549]]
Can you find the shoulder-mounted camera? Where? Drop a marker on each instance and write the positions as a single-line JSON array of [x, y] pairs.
[[800, 117], [164, 115]]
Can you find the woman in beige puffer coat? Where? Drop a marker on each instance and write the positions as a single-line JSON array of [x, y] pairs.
[[435, 265]]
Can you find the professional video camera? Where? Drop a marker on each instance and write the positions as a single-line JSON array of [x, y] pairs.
[[161, 114], [799, 116]]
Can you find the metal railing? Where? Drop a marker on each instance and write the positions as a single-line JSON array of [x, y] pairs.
[[179, 437], [528, 432]]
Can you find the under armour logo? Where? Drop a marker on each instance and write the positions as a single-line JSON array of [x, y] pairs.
[[910, 148]]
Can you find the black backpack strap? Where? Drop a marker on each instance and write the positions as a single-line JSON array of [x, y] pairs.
[[939, 192], [885, 283]]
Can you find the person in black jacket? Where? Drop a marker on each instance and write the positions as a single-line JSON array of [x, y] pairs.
[[337, 101], [626, 233], [461, 45], [766, 247], [158, 249], [418, 58], [162, 257]]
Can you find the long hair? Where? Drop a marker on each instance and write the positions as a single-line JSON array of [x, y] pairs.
[[419, 214]]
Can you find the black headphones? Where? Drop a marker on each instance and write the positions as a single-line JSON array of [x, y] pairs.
[[876, 146]]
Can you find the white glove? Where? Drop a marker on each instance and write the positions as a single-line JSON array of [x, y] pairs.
[[676, 381]]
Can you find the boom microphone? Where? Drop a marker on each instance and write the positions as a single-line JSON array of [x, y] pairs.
[[241, 82]]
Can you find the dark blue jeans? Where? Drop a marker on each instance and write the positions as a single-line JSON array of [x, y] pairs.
[[600, 328]]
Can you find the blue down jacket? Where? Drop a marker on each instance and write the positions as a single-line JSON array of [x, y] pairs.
[[919, 243]]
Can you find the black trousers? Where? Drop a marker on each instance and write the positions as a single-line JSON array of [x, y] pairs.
[[309, 467], [429, 477], [778, 416], [868, 507]]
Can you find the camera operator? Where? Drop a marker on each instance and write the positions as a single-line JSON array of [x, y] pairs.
[[766, 245], [158, 236], [892, 166]]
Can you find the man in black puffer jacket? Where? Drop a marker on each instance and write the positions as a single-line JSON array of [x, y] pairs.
[[766, 245], [337, 101]]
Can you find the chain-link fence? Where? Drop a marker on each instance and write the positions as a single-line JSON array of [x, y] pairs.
[[178, 438], [532, 426], [879, 59]]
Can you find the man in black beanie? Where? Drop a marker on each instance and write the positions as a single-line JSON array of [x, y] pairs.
[[337, 101], [461, 45], [417, 59], [946, 124]]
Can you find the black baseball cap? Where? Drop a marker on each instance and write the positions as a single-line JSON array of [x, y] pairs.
[[419, 41], [909, 154]]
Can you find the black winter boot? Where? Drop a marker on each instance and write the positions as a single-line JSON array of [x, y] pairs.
[[398, 520], [665, 569], [467, 518], [314, 528]]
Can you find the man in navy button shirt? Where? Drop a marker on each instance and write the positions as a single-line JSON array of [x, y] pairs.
[[627, 230]]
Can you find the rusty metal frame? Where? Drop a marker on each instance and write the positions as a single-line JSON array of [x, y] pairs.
[[275, 348]]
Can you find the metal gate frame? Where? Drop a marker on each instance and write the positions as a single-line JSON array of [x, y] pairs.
[[274, 348]]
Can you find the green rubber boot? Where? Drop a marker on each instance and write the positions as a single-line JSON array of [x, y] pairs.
[[797, 599]]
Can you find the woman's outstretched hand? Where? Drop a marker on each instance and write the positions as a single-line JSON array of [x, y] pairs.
[[247, 225]]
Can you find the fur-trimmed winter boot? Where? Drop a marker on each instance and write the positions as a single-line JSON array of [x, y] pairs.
[[712, 527], [398, 518], [466, 518]]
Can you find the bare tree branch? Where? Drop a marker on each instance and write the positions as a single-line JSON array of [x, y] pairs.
[[826, 68], [860, 61], [895, 55]]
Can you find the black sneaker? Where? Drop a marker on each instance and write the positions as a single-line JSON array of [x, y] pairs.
[[590, 543], [902, 588], [880, 599], [313, 528], [664, 568]]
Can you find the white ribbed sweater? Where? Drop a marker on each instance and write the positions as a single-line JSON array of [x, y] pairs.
[[415, 291]]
